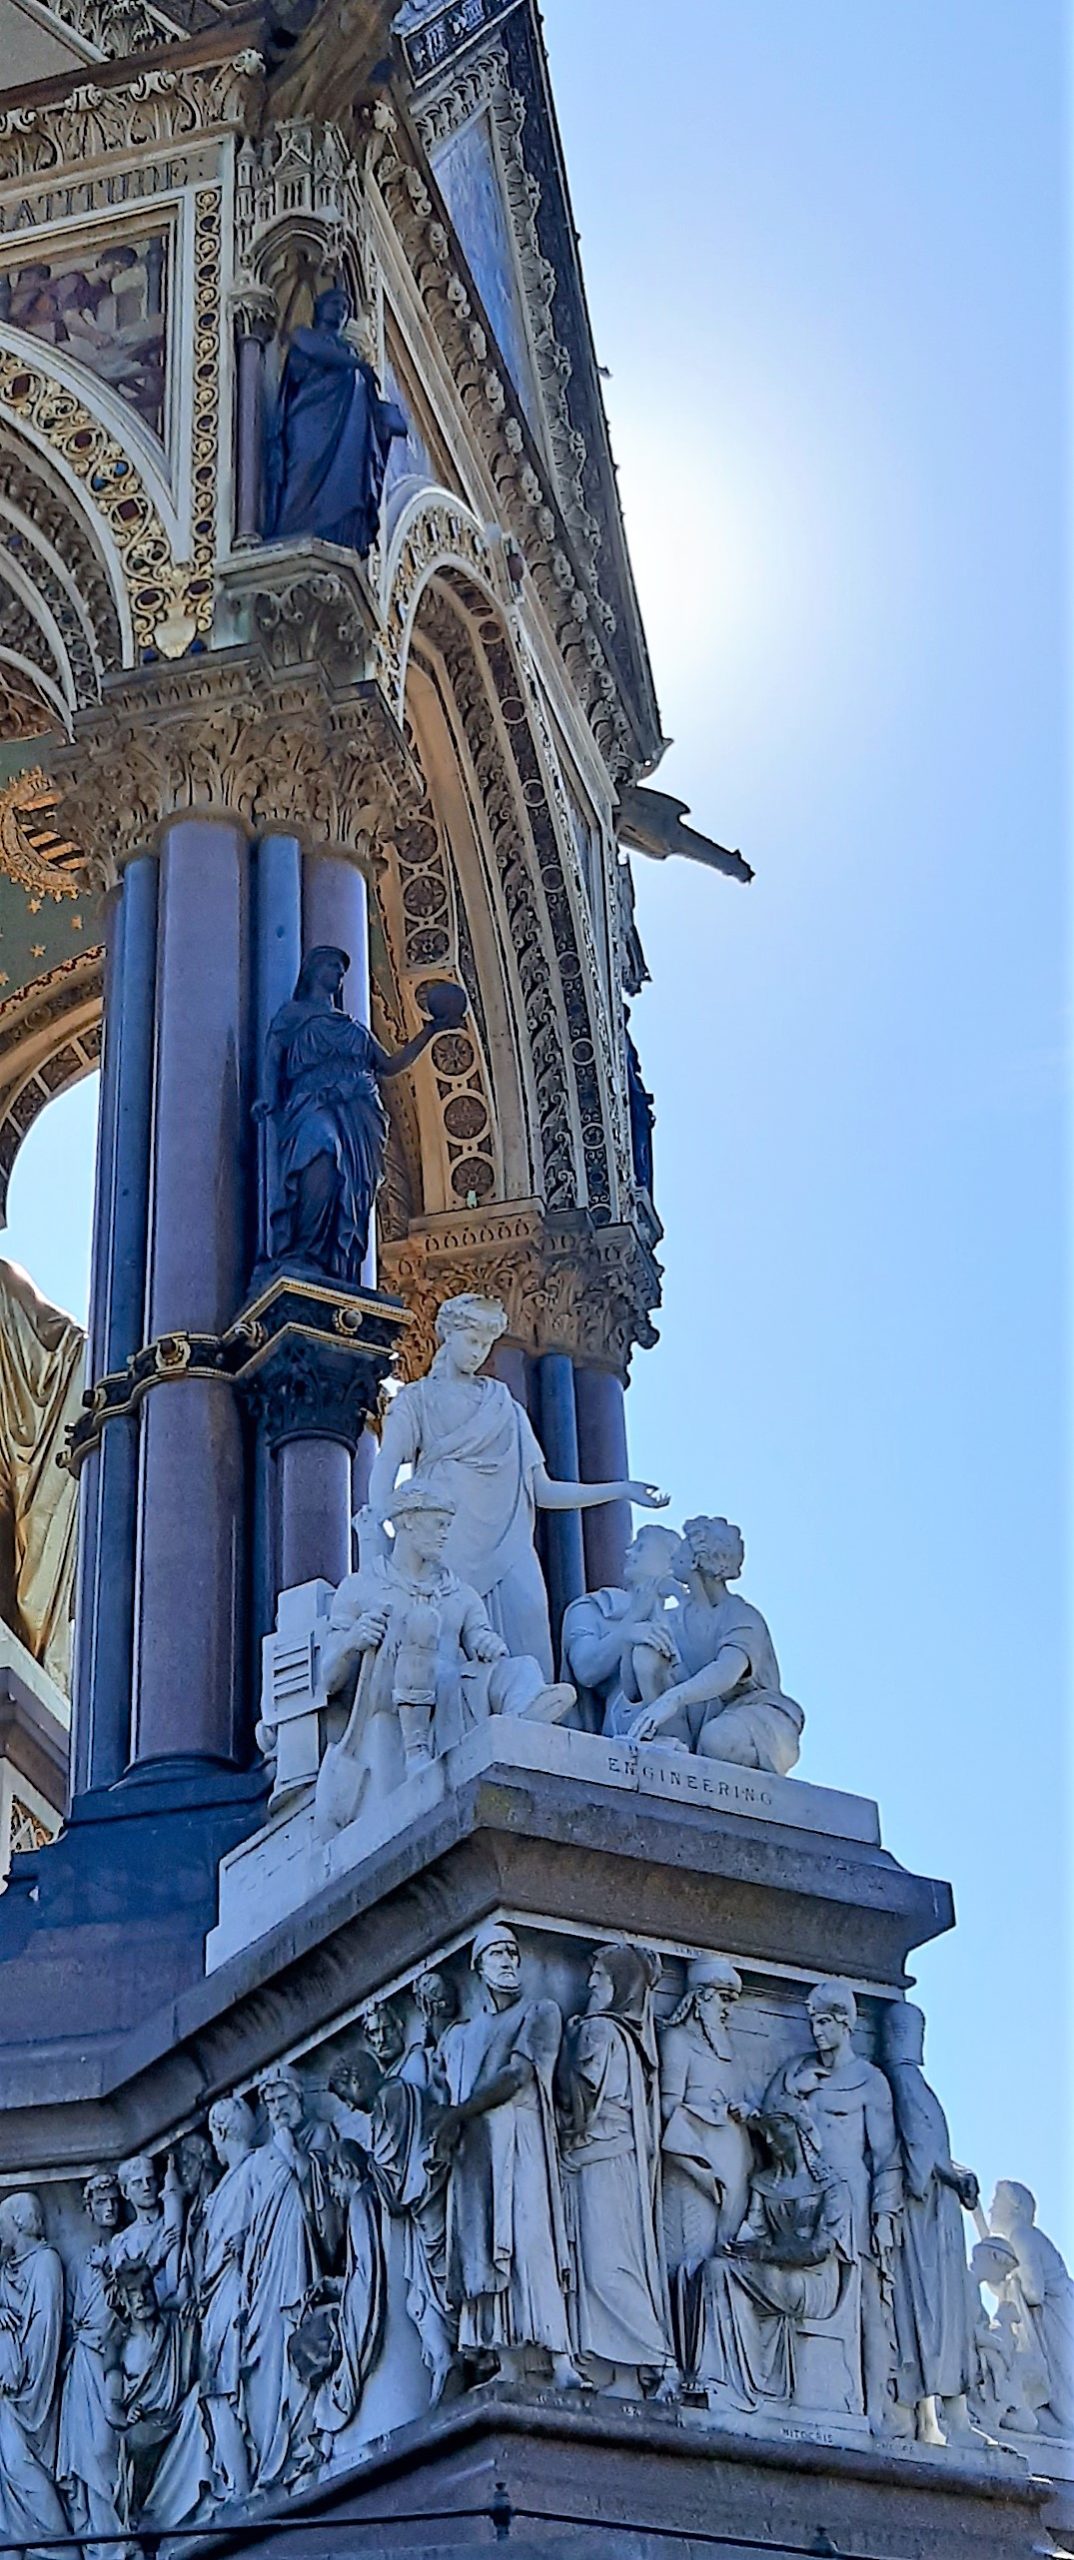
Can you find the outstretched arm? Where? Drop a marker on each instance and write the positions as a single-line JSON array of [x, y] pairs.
[[553, 1493], [394, 1062]]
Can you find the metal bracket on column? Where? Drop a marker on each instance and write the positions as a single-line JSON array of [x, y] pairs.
[[311, 1360], [316, 1357]]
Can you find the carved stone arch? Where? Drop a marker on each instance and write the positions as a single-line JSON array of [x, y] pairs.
[[50, 1037], [55, 547], [448, 612]]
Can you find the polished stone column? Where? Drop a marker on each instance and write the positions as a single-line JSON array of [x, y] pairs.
[[108, 1489], [277, 877], [315, 1510], [508, 1361], [602, 1451], [557, 1427], [191, 1563]]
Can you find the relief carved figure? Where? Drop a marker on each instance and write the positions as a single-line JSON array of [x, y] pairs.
[[89, 2456], [152, 2239], [290, 2228], [707, 2150], [411, 2173], [425, 1659], [31, 2339], [763, 2313], [1040, 2291], [509, 2269], [466, 1435], [933, 2311], [610, 2109], [221, 2300], [728, 1701], [850, 2105]]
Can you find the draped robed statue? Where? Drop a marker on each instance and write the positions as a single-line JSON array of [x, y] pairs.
[[330, 437], [322, 1105]]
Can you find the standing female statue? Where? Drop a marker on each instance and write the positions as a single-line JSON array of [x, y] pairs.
[[323, 1074], [329, 445]]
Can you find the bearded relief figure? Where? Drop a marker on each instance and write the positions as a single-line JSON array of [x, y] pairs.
[[707, 2150], [42, 1368]]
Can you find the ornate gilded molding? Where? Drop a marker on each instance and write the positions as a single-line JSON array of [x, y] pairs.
[[585, 1290], [436, 532], [39, 860], [160, 105], [227, 734], [525, 497], [308, 1358], [568, 1041], [485, 85]]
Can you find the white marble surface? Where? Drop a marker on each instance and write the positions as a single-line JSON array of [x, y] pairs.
[[282, 1867]]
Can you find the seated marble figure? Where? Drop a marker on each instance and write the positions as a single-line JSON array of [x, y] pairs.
[[414, 1646], [762, 2317], [681, 1661]]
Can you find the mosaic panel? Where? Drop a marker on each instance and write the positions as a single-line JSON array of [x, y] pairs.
[[107, 309]]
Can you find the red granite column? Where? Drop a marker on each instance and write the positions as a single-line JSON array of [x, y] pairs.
[[189, 1653], [602, 1458]]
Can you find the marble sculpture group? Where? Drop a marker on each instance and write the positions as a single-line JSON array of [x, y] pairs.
[[543, 2160]]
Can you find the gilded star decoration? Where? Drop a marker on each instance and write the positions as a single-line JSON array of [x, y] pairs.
[[37, 951]]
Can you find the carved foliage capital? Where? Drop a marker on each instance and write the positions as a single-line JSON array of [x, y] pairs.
[[234, 736], [585, 1290]]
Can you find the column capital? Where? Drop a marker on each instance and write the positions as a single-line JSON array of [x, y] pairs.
[[566, 1284], [283, 731]]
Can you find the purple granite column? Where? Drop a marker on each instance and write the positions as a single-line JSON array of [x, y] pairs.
[[508, 1361], [189, 1662], [315, 1510], [602, 1458], [249, 432], [557, 1429]]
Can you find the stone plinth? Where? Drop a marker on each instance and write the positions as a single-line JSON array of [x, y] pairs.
[[285, 1867], [559, 2480]]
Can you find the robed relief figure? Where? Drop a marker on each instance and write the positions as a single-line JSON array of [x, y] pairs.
[[508, 2261], [933, 2304], [610, 2117], [31, 2336], [468, 1436], [708, 2154], [766, 2300], [330, 438], [328, 1128]]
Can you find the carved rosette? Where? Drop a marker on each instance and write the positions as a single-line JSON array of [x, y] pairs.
[[585, 1290]]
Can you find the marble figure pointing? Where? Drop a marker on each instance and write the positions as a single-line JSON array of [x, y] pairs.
[[322, 1108], [466, 1435]]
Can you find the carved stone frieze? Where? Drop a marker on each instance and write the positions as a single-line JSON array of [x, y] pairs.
[[585, 1290], [228, 734], [161, 104]]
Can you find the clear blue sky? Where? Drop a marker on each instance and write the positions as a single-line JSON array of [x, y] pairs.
[[824, 250]]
